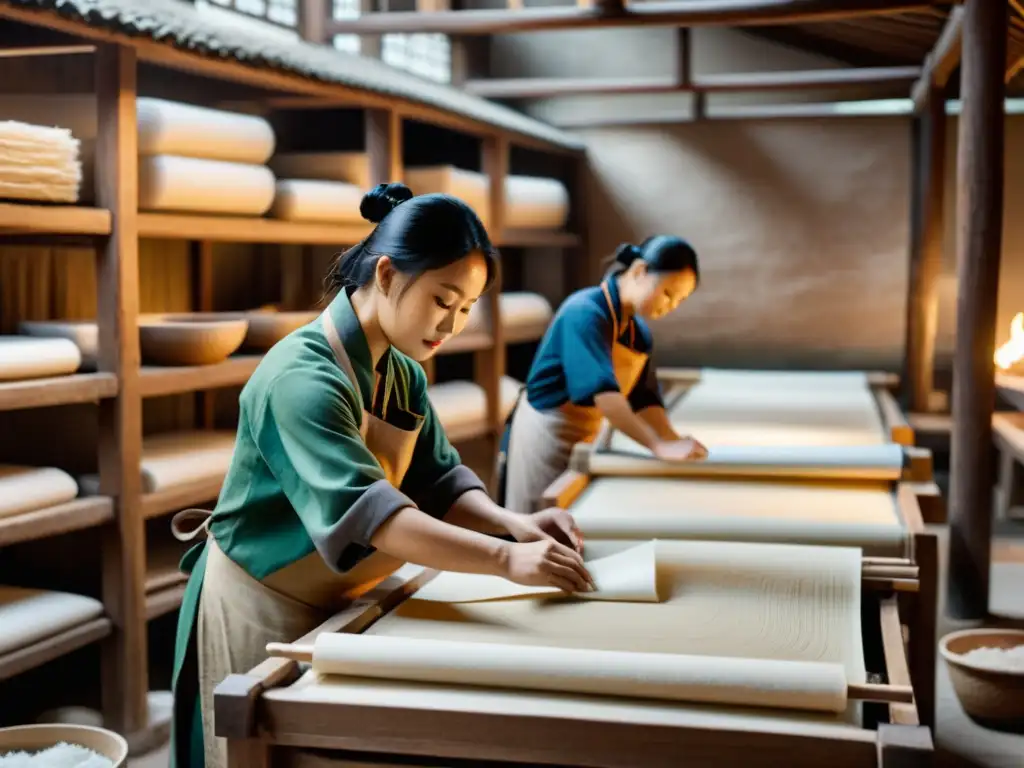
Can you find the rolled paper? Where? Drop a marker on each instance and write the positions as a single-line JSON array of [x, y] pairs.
[[801, 685], [860, 462]]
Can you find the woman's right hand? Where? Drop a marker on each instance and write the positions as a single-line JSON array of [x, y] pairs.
[[546, 563], [684, 449]]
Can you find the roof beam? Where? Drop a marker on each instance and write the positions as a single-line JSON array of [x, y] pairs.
[[527, 88], [678, 13], [942, 61]]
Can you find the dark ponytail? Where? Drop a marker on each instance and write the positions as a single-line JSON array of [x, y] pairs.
[[418, 233], [662, 253]]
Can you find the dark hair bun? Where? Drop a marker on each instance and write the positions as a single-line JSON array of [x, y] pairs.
[[382, 200], [627, 253]]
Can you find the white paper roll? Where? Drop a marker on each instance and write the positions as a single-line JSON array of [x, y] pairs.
[[169, 183], [862, 462], [701, 679], [331, 202], [176, 128]]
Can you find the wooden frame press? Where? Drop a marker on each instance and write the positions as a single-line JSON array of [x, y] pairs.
[[918, 465], [910, 580], [271, 717]]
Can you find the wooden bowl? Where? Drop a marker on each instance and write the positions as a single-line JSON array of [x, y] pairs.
[[266, 328], [34, 738], [190, 339], [992, 698]]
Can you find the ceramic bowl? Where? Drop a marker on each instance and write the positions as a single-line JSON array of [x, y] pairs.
[[992, 698]]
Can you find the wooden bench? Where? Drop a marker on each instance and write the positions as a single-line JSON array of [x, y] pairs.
[[1008, 435]]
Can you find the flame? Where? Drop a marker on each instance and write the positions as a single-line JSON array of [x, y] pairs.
[[1013, 350]]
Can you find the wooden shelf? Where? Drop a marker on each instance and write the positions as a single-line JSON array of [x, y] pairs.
[[56, 390], [246, 229], [524, 238], [181, 497], [164, 601], [159, 380], [19, 219], [254, 229], [50, 648], [53, 521]]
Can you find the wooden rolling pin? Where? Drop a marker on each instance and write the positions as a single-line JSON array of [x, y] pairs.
[[343, 654]]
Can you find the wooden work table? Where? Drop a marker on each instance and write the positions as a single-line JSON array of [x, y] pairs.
[[280, 714]]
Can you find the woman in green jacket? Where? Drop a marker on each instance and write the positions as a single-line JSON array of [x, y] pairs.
[[341, 472]]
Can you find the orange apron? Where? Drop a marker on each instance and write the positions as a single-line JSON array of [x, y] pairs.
[[540, 442]]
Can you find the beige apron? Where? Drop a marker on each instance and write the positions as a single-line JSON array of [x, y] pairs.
[[540, 442], [239, 615]]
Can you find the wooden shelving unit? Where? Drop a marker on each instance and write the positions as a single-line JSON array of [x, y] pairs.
[[134, 591], [17, 219], [56, 390]]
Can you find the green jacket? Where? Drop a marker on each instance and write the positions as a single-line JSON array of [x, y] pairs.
[[302, 479]]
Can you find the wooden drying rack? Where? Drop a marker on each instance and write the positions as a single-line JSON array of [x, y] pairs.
[[114, 228]]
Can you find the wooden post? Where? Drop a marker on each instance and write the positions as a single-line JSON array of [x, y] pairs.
[[312, 22], [926, 258], [201, 256], [979, 224], [576, 261], [684, 58], [369, 44], [489, 364], [125, 659], [384, 145]]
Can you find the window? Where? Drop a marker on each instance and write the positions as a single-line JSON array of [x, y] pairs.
[[425, 54], [283, 13], [347, 9]]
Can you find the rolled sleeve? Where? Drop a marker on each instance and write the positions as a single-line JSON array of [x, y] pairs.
[[438, 497], [309, 437], [436, 477]]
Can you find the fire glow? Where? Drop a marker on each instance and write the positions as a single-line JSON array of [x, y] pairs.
[[1010, 353]]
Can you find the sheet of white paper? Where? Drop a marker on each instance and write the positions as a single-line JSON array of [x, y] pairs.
[[627, 576]]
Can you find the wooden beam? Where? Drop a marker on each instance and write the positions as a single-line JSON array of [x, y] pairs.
[[720, 83], [124, 683], [979, 223], [941, 61], [46, 50], [542, 87], [926, 260], [680, 13]]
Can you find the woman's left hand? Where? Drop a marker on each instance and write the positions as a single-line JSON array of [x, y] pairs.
[[551, 523]]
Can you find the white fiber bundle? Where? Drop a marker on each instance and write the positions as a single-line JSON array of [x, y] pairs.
[[39, 163]]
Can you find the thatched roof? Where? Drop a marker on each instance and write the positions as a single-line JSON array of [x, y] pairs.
[[178, 24]]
